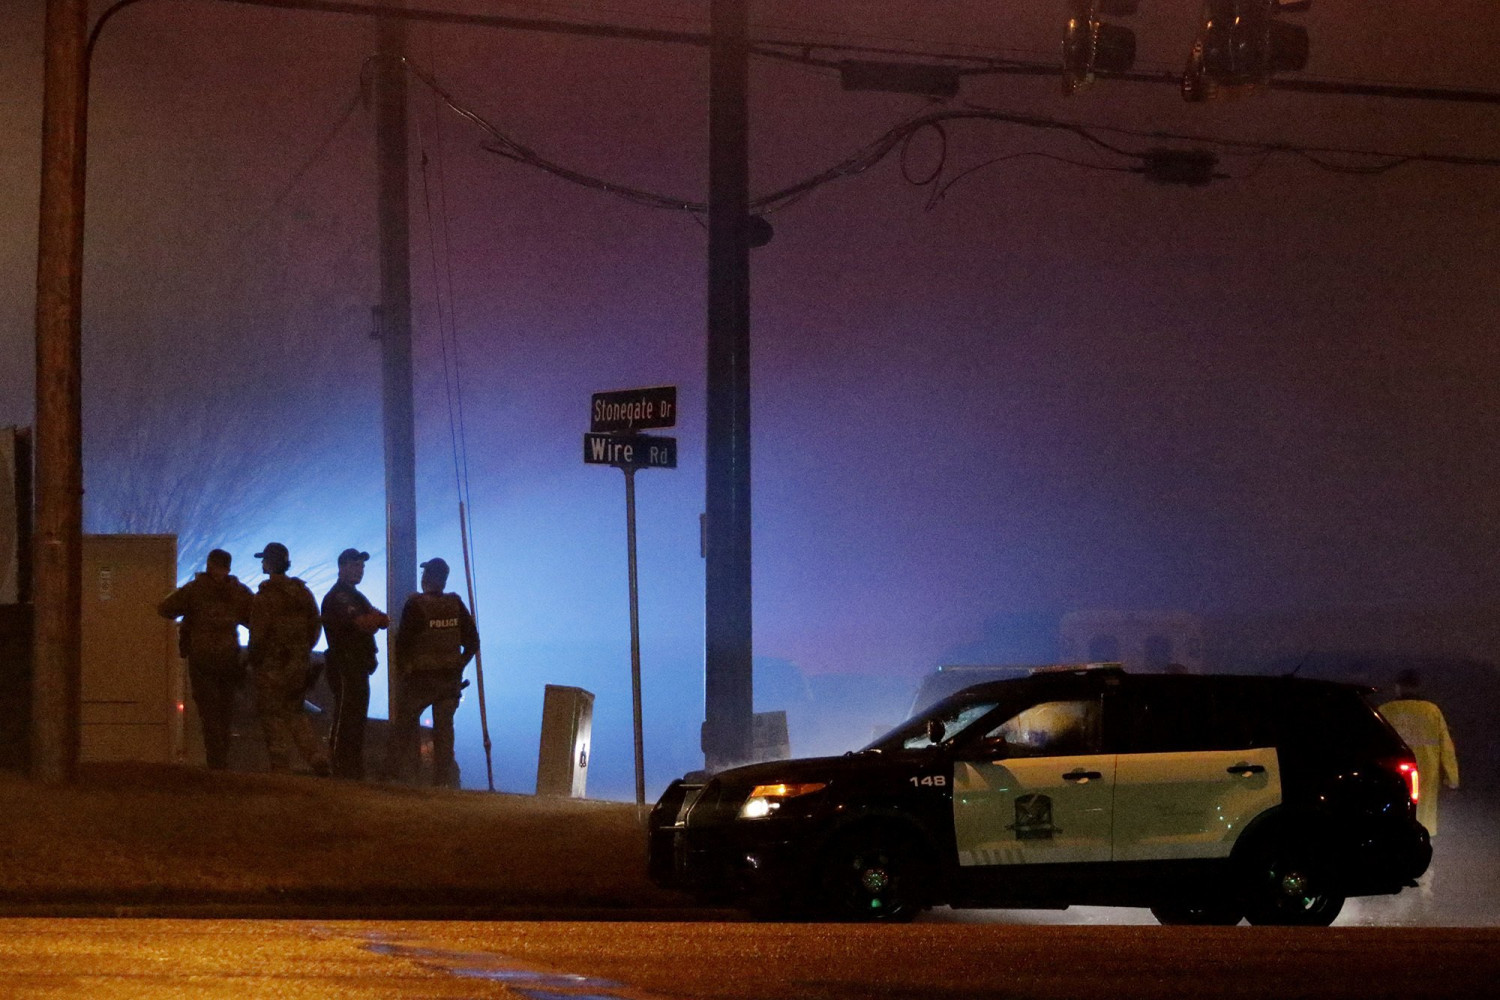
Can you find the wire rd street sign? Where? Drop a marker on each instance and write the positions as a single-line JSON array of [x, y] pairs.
[[633, 409], [630, 451]]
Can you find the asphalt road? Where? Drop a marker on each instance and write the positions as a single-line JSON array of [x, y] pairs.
[[291, 960]]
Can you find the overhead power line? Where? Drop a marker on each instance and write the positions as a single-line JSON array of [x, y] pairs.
[[1148, 160], [502, 144], [802, 51], [866, 157], [432, 16], [308, 162]]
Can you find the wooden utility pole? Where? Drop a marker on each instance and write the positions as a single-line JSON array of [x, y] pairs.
[[727, 634], [395, 328], [58, 541]]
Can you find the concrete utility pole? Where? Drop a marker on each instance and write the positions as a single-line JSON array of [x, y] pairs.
[[395, 328], [728, 704], [58, 539]]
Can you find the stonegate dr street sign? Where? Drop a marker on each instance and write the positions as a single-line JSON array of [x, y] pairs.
[[632, 410]]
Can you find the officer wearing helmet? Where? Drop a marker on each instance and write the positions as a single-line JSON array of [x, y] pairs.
[[434, 643], [284, 625]]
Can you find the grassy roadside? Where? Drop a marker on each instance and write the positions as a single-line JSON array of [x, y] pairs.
[[143, 833]]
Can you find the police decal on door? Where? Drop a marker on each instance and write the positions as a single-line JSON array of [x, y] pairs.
[[1034, 818]]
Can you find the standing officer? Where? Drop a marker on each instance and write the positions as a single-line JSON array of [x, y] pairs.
[[284, 626], [350, 621], [436, 640], [1422, 726], [212, 605]]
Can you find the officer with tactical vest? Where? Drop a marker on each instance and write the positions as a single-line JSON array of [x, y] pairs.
[[434, 643], [284, 625], [212, 605]]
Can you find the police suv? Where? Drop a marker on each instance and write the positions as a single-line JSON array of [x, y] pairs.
[[1206, 798]]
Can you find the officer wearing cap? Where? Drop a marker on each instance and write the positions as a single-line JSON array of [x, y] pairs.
[[284, 625], [350, 621], [212, 605], [436, 640]]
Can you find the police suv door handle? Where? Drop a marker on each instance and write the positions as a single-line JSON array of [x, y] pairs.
[[1081, 776], [1245, 770]]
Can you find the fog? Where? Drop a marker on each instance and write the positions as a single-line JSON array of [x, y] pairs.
[[1266, 403]]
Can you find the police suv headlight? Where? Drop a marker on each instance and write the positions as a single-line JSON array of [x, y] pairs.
[[765, 800]]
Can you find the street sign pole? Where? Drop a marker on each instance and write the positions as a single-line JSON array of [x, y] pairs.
[[635, 637], [615, 418]]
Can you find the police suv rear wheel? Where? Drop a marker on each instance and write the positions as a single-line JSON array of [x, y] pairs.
[[872, 875], [1288, 887]]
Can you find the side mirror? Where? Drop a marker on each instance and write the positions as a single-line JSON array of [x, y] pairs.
[[935, 731]]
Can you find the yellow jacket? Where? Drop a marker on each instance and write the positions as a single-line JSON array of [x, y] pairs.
[[1422, 726]]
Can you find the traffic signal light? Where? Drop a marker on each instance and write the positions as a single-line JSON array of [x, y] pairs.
[[1092, 44], [1241, 44]]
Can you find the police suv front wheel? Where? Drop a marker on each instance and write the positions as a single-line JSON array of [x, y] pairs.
[[872, 875]]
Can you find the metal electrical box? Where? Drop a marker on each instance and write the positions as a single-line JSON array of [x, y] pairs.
[[567, 724], [768, 736], [132, 696]]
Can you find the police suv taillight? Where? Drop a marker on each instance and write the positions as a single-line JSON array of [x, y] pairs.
[[1406, 769]]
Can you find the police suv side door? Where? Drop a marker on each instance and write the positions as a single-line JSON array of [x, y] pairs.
[[1036, 789], [1192, 770]]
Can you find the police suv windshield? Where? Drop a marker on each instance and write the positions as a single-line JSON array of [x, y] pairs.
[[942, 723]]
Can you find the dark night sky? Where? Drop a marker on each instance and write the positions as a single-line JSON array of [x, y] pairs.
[[1059, 388]]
